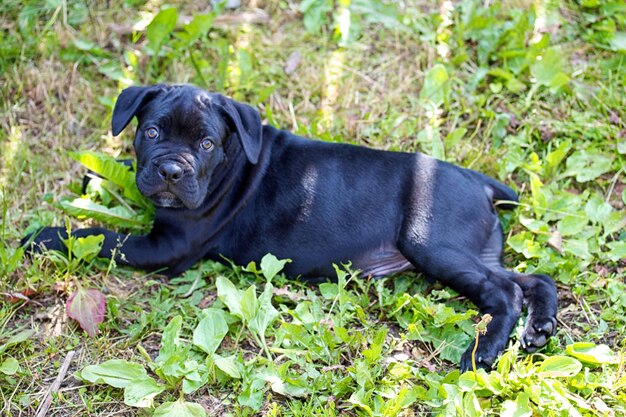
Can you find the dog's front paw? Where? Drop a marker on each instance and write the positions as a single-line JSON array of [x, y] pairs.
[[47, 238], [537, 332]]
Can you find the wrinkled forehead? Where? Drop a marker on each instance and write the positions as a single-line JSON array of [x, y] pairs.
[[182, 109]]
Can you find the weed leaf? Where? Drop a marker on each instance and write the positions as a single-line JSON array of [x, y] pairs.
[[559, 366], [587, 165], [517, 408], [179, 408], [86, 248], [435, 90], [591, 353], [169, 341], [9, 366], [114, 171], [228, 365], [266, 313], [118, 216], [229, 295], [270, 265], [160, 28], [141, 392], [87, 307], [210, 331], [249, 304], [115, 372]]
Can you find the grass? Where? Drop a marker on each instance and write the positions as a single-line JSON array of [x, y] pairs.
[[531, 93]]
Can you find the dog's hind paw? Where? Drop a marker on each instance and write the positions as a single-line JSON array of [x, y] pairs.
[[537, 332], [483, 358]]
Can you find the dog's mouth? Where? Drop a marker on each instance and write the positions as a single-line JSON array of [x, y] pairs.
[[167, 199]]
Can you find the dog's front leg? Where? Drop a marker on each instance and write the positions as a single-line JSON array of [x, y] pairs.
[[147, 252]]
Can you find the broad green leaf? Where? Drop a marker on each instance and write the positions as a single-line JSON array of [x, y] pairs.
[[430, 138], [88, 247], [578, 247], [361, 399], [591, 353], [197, 27], [228, 364], [617, 250], [435, 89], [266, 314], [329, 290], [230, 295], [471, 405], [15, 339], [210, 331], [618, 43], [597, 209], [454, 137], [572, 225], [559, 366], [180, 408], [315, 12], [9, 366], [116, 372], [547, 69], [118, 216], [518, 408], [281, 386], [587, 165], [554, 158], [270, 265], [87, 306], [141, 392], [114, 171], [614, 222], [249, 304], [169, 340], [160, 28], [195, 380], [252, 395]]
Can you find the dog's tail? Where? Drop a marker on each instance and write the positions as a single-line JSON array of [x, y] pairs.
[[502, 195]]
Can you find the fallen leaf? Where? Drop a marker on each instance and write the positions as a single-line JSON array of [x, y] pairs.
[[556, 241], [292, 62], [87, 307], [291, 295], [546, 133]]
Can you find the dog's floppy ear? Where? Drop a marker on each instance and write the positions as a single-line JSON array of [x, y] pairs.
[[129, 102], [246, 123]]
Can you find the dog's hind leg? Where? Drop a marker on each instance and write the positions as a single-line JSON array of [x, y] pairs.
[[540, 297], [491, 291]]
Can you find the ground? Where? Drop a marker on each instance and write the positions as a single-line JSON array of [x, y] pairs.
[[531, 93]]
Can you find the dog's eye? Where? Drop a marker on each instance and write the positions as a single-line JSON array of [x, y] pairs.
[[152, 133], [207, 144]]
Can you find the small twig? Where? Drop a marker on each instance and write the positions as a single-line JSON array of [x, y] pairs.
[[54, 388], [481, 329]]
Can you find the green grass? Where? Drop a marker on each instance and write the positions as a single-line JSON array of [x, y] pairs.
[[530, 93]]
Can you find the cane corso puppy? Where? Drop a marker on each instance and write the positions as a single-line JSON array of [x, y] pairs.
[[225, 185]]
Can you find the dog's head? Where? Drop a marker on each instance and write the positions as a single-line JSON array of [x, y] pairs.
[[181, 139]]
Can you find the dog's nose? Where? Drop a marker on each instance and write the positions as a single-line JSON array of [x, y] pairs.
[[171, 172]]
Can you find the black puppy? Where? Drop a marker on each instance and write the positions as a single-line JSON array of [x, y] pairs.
[[226, 185]]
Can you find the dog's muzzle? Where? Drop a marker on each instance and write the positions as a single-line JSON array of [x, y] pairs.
[[170, 183]]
